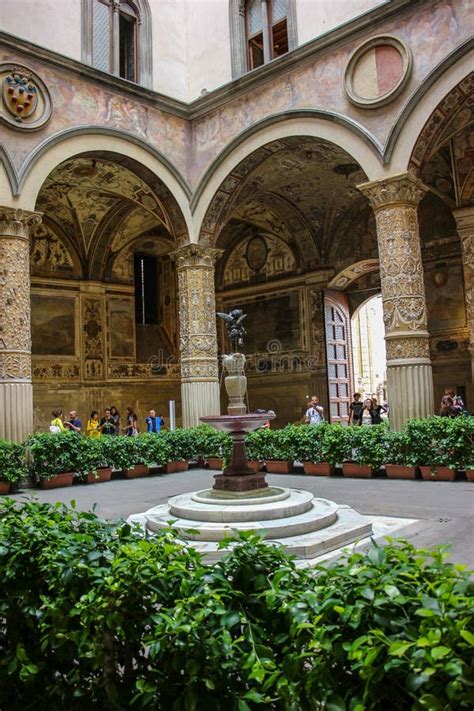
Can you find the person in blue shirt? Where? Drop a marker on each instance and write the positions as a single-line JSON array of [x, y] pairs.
[[153, 423]]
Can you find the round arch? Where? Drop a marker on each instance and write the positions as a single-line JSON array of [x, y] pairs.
[[350, 274], [345, 134], [409, 126], [70, 143]]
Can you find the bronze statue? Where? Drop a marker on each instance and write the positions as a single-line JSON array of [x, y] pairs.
[[235, 330]]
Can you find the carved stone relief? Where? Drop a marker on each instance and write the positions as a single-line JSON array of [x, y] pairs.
[[92, 338], [15, 310], [198, 338], [401, 271]]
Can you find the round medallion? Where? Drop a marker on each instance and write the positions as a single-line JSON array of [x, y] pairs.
[[256, 253], [377, 71], [24, 99]]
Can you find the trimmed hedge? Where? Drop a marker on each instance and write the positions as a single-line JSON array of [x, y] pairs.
[[94, 615], [435, 441]]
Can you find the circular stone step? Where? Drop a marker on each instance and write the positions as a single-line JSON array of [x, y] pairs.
[[237, 498], [291, 502], [321, 514]]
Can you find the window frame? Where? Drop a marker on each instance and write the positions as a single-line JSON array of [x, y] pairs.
[[143, 39], [239, 39]]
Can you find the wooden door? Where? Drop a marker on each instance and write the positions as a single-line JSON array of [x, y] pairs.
[[337, 324]]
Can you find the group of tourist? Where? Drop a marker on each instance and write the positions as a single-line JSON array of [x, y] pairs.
[[109, 425], [366, 412], [452, 405]]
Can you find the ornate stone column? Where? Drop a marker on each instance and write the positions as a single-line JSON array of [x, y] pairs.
[[16, 390], [465, 225], [198, 334], [409, 374]]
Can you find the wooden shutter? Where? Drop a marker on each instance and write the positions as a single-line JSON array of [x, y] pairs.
[[337, 324]]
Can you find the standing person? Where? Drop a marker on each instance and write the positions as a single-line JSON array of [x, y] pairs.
[[153, 423], [93, 425], [355, 408], [107, 423], [378, 410], [457, 400], [162, 421], [315, 412], [116, 415], [368, 415], [73, 423], [131, 428], [56, 425], [448, 409]]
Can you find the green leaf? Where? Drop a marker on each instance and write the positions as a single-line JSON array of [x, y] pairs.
[[431, 702], [335, 703], [468, 636], [255, 696], [440, 652], [397, 649]]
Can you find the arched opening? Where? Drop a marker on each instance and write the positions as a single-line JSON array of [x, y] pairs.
[[103, 288], [368, 349], [288, 218]]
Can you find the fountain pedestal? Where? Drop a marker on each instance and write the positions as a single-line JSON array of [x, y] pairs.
[[238, 477]]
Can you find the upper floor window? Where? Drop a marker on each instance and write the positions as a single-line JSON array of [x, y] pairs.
[[116, 38], [267, 31], [261, 30]]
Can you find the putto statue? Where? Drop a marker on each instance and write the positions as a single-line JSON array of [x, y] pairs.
[[234, 324]]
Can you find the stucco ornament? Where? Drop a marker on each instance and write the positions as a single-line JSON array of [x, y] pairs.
[[198, 337], [25, 102], [395, 202], [15, 313]]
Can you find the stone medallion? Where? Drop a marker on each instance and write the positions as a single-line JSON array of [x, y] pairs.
[[25, 102], [377, 71]]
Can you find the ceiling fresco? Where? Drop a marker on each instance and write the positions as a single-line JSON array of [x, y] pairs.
[[97, 206], [298, 188]]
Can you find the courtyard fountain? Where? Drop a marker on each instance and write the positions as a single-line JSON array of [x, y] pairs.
[[241, 499]]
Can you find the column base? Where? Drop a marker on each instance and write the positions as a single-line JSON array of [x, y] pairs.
[[16, 410], [199, 398], [409, 391]]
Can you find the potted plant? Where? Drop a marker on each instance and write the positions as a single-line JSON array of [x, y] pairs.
[[276, 448], [13, 465], [129, 454], [434, 443], [401, 457], [56, 458], [209, 444], [466, 432], [98, 456], [367, 450], [179, 450]]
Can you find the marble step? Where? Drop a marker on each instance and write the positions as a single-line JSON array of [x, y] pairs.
[[323, 513], [291, 502]]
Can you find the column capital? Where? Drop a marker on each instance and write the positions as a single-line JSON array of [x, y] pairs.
[[17, 223], [401, 189], [195, 255]]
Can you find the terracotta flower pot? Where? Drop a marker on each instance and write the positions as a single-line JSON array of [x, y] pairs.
[[470, 474], [102, 474], [136, 471], [438, 473], [399, 471], [254, 464], [214, 463], [319, 469], [4, 487], [57, 481], [179, 466], [277, 466], [361, 471]]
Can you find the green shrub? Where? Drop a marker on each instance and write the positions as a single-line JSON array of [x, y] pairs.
[[115, 621], [208, 442], [367, 444], [442, 441], [179, 445], [53, 454], [13, 465], [399, 449]]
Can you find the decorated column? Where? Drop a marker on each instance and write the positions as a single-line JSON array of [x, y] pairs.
[[465, 224], [198, 335], [409, 375], [16, 391]]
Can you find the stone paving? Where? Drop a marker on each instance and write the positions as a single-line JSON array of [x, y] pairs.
[[443, 510]]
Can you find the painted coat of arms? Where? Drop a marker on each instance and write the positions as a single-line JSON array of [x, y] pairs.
[[20, 95]]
